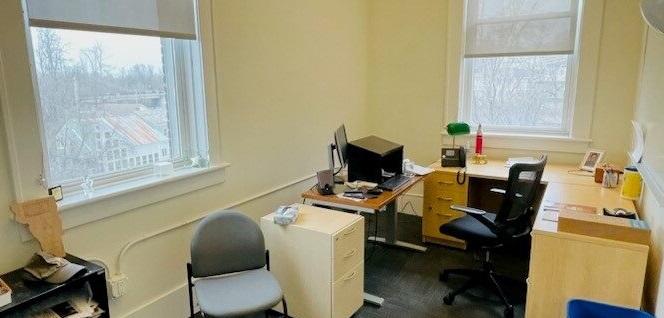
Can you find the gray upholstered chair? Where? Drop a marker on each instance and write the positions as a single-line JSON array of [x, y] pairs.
[[229, 268]]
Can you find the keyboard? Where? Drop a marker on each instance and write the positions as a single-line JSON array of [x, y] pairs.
[[394, 183]]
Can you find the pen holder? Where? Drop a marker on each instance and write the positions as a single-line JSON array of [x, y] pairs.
[[631, 188]]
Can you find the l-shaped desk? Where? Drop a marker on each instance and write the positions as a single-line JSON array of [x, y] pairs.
[[562, 265]]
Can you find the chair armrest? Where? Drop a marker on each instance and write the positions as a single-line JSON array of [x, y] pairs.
[[478, 215], [467, 209], [496, 190]]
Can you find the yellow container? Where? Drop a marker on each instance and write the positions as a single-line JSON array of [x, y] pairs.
[[632, 183]]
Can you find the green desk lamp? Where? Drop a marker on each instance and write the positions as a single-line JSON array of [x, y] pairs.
[[456, 129], [455, 157]]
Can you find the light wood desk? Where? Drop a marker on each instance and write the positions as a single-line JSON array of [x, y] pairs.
[[384, 203], [562, 265], [368, 205]]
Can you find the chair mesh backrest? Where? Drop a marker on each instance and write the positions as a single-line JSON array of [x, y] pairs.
[[226, 242], [520, 195]]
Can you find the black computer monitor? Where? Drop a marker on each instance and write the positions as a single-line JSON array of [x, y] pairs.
[[341, 143]]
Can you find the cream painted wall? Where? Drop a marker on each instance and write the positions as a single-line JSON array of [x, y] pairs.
[[407, 76], [407, 73], [649, 110], [288, 75], [617, 74]]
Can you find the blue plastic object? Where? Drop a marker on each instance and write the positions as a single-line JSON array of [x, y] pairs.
[[579, 308]]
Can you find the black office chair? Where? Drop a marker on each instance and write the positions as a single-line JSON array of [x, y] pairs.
[[490, 231]]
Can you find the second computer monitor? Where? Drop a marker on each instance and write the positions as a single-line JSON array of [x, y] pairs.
[[341, 142]]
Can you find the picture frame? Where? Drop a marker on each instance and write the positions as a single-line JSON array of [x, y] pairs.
[[591, 160]]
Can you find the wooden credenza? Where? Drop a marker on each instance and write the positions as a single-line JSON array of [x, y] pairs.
[[318, 261]]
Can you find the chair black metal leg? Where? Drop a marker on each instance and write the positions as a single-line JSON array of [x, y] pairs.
[[449, 299], [509, 308], [189, 286], [499, 290], [283, 301]]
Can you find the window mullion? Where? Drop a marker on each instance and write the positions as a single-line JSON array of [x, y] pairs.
[[183, 99], [173, 99]]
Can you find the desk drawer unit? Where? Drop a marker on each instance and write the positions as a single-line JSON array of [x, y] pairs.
[[441, 190], [318, 261], [348, 249]]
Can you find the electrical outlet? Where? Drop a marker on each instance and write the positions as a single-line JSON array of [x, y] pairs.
[[118, 285]]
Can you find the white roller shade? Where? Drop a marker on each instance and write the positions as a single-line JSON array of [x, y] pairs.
[[164, 18], [520, 27]]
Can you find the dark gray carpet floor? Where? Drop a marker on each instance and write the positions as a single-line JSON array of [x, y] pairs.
[[409, 280]]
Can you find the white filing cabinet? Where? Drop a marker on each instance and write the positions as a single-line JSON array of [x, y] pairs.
[[318, 261]]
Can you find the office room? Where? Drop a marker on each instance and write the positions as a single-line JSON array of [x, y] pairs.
[[247, 158]]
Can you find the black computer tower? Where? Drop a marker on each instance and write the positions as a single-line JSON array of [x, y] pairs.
[[367, 157]]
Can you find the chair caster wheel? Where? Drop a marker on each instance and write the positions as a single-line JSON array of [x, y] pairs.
[[448, 300], [509, 312], [443, 276]]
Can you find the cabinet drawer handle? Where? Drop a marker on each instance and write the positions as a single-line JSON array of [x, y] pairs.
[[446, 182], [351, 276], [351, 253], [445, 198], [350, 232], [444, 214]]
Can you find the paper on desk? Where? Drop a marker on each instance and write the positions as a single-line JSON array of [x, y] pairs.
[[550, 215], [410, 167], [341, 195], [419, 170]]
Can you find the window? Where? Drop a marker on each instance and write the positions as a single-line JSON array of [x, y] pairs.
[[187, 57], [142, 88], [518, 67]]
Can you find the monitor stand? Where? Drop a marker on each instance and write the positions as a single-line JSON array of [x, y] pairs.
[[330, 159]]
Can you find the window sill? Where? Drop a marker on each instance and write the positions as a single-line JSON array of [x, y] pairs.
[[524, 142], [78, 209]]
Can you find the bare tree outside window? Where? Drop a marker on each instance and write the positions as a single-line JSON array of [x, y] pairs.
[[100, 95], [526, 91]]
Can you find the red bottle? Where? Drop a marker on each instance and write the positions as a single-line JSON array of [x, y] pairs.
[[478, 140]]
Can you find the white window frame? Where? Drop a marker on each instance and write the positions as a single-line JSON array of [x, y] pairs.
[[188, 120], [586, 62], [22, 123]]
